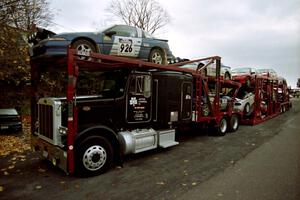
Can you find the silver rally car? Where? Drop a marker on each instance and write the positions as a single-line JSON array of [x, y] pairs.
[[118, 40]]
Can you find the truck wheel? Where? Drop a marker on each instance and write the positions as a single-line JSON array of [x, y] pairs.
[[157, 56], [234, 123], [222, 127], [283, 109], [83, 47], [94, 156]]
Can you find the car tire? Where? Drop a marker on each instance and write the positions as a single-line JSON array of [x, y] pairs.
[[94, 156], [227, 76], [84, 47], [247, 109], [222, 127], [234, 123], [157, 56], [248, 82]]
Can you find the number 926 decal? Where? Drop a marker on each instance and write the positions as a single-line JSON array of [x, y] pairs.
[[125, 46]]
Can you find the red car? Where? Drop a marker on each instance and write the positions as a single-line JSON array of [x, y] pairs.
[[245, 75]]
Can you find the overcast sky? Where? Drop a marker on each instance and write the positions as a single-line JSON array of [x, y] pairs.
[[254, 33]]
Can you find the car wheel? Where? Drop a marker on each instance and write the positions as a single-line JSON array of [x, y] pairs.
[[95, 155], [248, 82], [227, 76], [222, 127], [83, 47], [157, 56], [234, 123], [247, 109]]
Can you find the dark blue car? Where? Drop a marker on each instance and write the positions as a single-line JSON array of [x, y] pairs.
[[10, 120], [118, 40]]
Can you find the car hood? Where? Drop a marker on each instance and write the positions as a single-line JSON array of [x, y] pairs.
[[97, 36]]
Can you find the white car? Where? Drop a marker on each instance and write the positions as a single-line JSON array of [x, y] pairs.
[[245, 103], [210, 70]]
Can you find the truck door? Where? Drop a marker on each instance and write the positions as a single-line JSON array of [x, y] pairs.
[[186, 100], [139, 97]]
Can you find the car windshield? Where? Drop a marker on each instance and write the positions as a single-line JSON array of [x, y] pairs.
[[262, 70], [147, 35], [241, 70], [8, 111]]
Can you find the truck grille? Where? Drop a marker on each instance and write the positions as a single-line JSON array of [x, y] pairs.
[[46, 121]]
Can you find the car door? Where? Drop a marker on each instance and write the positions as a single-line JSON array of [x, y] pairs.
[[122, 41]]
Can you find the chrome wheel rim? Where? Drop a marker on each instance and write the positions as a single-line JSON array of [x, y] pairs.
[[156, 58], [84, 50], [235, 123], [94, 158], [223, 125]]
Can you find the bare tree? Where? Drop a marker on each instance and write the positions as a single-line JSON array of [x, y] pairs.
[[145, 14]]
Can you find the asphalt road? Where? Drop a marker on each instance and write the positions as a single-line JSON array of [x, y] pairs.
[[256, 162]]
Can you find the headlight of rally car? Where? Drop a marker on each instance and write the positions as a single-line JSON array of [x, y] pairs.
[[56, 39]]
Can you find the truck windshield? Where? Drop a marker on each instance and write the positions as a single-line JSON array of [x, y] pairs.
[[109, 84]]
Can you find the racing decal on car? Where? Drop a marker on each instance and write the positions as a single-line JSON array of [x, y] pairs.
[[126, 46]]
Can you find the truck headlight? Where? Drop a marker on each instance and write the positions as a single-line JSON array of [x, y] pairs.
[[63, 130]]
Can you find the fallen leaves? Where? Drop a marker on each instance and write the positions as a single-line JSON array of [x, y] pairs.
[[41, 170], [19, 144], [161, 183], [11, 166], [38, 187], [9, 144]]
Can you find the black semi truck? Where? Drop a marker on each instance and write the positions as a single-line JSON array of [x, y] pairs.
[[88, 113]]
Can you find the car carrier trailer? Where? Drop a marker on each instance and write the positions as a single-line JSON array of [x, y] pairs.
[[114, 106], [271, 95]]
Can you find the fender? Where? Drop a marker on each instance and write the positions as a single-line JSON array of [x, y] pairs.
[[105, 132]]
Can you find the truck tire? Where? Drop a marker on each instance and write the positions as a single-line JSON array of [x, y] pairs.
[[157, 56], [94, 156], [84, 47], [234, 123], [222, 127]]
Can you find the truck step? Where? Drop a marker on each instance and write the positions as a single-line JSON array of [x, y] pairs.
[[168, 144], [167, 138]]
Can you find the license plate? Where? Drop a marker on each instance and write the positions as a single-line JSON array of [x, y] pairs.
[[4, 127]]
